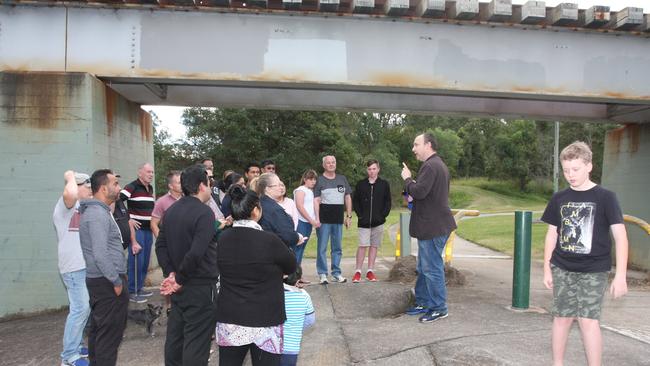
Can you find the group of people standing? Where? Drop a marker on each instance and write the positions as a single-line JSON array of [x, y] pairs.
[[224, 248], [231, 253]]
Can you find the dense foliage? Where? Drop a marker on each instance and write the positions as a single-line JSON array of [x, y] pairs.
[[517, 150]]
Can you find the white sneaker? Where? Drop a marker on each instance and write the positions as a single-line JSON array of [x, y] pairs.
[[339, 279], [323, 279]]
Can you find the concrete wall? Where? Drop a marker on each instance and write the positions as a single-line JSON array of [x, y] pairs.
[[50, 123], [626, 171]]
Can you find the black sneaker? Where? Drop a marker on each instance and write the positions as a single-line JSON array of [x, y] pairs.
[[432, 316]]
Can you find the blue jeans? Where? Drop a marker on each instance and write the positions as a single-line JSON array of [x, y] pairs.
[[145, 239], [324, 233], [430, 289], [75, 284], [304, 228]]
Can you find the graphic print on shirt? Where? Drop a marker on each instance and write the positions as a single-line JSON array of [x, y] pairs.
[[577, 227], [333, 196], [74, 221]]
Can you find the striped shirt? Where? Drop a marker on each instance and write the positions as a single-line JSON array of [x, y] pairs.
[[140, 202], [300, 314]]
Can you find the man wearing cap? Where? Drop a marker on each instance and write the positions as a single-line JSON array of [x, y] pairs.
[[140, 201], [72, 265]]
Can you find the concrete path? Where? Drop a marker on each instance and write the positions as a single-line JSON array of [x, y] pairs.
[[362, 324]]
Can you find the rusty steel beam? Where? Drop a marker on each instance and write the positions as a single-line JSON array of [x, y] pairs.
[[356, 55], [493, 13]]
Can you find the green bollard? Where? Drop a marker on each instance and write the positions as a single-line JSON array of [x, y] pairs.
[[405, 239], [521, 267]]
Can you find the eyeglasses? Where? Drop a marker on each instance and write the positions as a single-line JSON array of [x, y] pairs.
[[85, 182]]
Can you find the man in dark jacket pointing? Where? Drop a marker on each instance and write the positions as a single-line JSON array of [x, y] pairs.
[[371, 202], [431, 223]]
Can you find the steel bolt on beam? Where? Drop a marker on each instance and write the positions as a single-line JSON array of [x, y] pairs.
[[405, 238], [521, 267]]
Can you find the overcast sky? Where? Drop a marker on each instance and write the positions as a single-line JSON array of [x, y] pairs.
[[171, 116]]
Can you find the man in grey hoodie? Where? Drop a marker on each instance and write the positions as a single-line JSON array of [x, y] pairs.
[[101, 244]]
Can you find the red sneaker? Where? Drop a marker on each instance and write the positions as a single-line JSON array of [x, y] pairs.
[[357, 277], [370, 276]]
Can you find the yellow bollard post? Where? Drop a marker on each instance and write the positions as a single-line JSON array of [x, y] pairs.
[[398, 243], [449, 248]]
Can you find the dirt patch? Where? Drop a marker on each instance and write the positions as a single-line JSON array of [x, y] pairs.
[[404, 271]]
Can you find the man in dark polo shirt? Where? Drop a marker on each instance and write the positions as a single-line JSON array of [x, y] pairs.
[[139, 198], [431, 223]]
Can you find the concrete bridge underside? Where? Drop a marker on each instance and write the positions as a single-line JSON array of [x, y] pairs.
[[292, 60], [72, 78]]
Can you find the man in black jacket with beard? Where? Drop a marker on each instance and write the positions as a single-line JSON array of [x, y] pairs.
[[371, 202], [187, 252]]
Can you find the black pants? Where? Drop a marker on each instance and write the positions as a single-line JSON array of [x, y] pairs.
[[107, 320], [190, 326], [234, 355]]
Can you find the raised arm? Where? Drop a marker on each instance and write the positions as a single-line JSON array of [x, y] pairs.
[[71, 190]]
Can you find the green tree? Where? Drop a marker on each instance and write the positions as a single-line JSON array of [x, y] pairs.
[[295, 140], [518, 152], [168, 155]]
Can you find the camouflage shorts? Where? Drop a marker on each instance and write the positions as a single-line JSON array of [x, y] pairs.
[[578, 294]]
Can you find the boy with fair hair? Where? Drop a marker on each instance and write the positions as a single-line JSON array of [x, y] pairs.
[[577, 253]]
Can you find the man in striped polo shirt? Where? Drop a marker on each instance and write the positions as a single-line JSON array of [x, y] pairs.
[[138, 195]]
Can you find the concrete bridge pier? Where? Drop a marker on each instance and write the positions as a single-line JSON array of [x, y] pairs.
[[626, 171], [51, 122]]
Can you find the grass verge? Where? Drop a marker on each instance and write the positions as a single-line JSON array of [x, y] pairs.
[[350, 240], [497, 233]]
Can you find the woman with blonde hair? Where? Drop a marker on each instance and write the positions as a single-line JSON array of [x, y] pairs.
[[274, 218]]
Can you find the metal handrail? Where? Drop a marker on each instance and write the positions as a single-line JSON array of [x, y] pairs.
[[403, 247], [640, 222]]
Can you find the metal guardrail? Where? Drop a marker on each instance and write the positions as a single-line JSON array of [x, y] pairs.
[[640, 222], [403, 245]]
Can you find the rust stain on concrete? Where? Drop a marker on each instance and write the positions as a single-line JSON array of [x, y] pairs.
[[633, 135], [39, 100], [146, 126], [630, 133], [614, 138], [111, 107]]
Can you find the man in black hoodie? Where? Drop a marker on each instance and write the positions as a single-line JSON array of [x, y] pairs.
[[371, 202], [187, 252]]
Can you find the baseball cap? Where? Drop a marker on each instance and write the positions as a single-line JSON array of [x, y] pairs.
[[82, 178]]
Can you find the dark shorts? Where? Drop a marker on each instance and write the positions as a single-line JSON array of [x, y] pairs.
[[578, 294]]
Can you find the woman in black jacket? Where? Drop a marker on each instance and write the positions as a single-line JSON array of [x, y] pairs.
[[250, 307]]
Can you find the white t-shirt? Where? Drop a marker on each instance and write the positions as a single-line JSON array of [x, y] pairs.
[[66, 223], [308, 203]]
